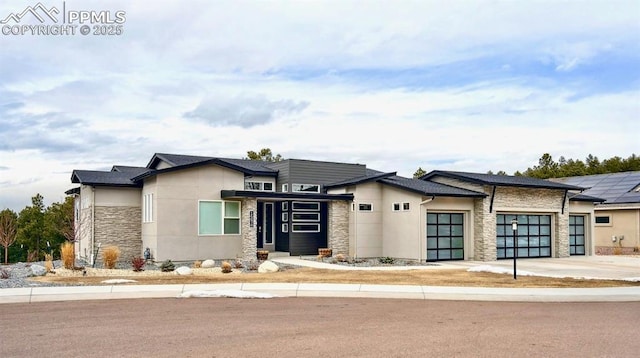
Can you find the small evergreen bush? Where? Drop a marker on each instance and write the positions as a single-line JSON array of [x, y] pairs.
[[167, 266]]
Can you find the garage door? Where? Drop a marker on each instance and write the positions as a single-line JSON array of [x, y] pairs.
[[445, 236], [576, 235], [534, 236]]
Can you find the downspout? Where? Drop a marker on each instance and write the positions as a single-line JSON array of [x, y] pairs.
[[420, 239], [493, 195], [564, 200], [93, 222]]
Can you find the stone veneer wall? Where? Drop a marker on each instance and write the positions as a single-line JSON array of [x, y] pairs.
[[538, 201], [249, 229], [83, 234], [339, 227], [484, 241], [119, 226]]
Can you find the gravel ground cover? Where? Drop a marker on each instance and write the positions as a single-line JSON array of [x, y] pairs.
[[19, 273], [368, 262]]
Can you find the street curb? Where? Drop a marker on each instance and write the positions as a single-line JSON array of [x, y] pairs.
[[76, 293]]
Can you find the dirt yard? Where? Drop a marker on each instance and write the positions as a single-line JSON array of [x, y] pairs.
[[431, 277]]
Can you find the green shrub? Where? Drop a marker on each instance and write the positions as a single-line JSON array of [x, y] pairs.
[[386, 260], [167, 266]]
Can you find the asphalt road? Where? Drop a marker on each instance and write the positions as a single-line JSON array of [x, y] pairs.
[[318, 327]]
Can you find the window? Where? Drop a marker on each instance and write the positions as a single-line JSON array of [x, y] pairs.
[[365, 207], [258, 186], [285, 188], [147, 208], [285, 216], [306, 216], [218, 218], [305, 188], [285, 206], [400, 206], [305, 206], [603, 220], [306, 227], [285, 227]]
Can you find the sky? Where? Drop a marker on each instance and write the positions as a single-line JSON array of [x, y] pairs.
[[468, 85]]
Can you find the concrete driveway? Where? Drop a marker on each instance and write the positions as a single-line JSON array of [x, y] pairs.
[[602, 267]]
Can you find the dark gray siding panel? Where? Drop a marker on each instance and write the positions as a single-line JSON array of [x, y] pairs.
[[311, 172], [283, 173], [282, 238], [309, 243]]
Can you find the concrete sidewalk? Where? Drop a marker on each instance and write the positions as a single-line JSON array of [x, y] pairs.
[[596, 267], [48, 294]]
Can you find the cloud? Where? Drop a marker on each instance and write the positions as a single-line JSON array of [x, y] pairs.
[[244, 110]]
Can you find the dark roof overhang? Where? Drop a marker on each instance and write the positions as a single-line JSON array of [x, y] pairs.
[[231, 194], [466, 194], [359, 180], [584, 197], [73, 191], [216, 161], [501, 180]]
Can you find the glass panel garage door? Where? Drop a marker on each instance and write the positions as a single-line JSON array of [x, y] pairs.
[[445, 236], [534, 236], [576, 235]]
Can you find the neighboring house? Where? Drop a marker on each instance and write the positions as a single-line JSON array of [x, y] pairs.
[[617, 218], [184, 208]]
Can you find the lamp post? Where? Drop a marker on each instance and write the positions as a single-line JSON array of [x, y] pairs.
[[514, 227]]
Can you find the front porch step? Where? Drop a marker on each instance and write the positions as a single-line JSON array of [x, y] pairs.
[[275, 254]]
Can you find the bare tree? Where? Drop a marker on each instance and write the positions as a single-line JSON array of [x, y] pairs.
[[8, 231]]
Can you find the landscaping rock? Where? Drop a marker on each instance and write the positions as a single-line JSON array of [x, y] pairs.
[[183, 271], [37, 270], [268, 266], [208, 264]]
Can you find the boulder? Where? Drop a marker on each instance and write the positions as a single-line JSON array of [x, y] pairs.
[[268, 266], [37, 270], [183, 271], [208, 264]]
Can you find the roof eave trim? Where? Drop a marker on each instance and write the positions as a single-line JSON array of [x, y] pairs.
[[478, 195], [360, 181], [280, 195]]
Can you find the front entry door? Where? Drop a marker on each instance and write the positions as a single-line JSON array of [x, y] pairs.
[[266, 235]]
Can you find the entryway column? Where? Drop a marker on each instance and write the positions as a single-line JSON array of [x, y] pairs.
[[338, 234], [249, 228]]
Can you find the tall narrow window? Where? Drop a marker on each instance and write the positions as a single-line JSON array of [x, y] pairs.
[[147, 208]]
